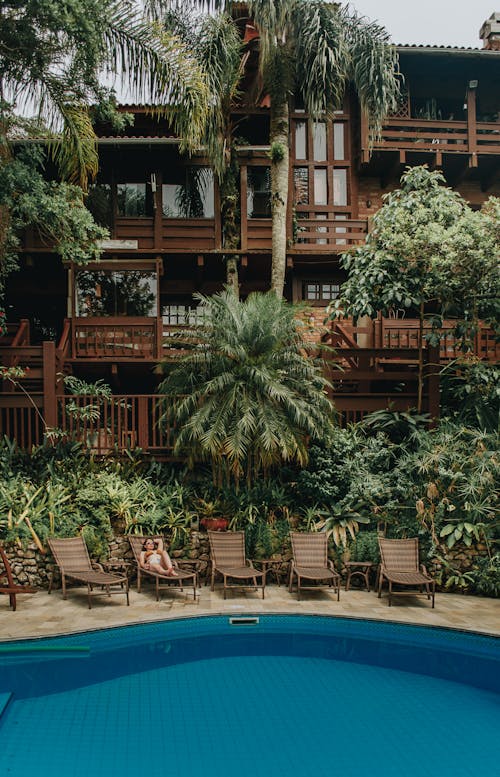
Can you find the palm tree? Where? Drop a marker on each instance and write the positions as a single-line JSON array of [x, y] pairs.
[[52, 56], [243, 392], [215, 43], [313, 49]]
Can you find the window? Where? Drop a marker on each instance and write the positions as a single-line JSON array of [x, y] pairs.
[[100, 205], [319, 141], [111, 293], [300, 140], [134, 199], [189, 194], [301, 185], [320, 186], [181, 315], [320, 291], [339, 186], [338, 141], [259, 192]]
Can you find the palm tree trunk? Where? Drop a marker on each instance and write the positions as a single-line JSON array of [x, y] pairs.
[[279, 191], [230, 224]]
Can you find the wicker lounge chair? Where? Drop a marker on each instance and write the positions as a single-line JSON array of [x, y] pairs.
[[183, 576], [228, 557], [310, 562], [72, 558], [11, 588], [399, 566]]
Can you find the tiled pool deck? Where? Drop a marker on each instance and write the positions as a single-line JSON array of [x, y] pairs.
[[43, 615]]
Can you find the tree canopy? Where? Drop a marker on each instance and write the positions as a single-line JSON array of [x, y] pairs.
[[243, 392], [427, 247], [54, 56]]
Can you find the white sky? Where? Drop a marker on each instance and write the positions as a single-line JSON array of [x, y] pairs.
[[439, 22]]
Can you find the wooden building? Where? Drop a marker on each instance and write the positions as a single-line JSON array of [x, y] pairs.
[[111, 320]]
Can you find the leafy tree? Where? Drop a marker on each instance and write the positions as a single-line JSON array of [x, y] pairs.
[[312, 49], [214, 41], [243, 392], [52, 55], [427, 251], [55, 210]]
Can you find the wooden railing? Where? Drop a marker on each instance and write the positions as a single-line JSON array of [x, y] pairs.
[[366, 379], [189, 234], [21, 419], [325, 234], [424, 135], [256, 234], [391, 333], [126, 339], [123, 422], [451, 137], [400, 333]]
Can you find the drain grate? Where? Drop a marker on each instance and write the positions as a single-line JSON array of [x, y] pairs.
[[244, 621]]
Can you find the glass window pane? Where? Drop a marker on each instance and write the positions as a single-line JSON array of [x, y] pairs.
[[321, 217], [189, 194], [124, 293], [301, 185], [320, 292], [339, 186], [131, 199], [338, 141], [259, 192], [319, 141], [320, 187], [300, 140], [99, 204]]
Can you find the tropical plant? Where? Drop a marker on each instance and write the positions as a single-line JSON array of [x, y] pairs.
[[243, 392], [365, 547], [470, 391], [486, 576], [52, 56], [215, 42], [399, 425], [417, 256], [312, 49]]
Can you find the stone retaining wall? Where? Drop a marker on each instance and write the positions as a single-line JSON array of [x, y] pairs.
[[30, 567]]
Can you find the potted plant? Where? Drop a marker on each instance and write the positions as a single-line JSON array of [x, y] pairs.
[[210, 518]]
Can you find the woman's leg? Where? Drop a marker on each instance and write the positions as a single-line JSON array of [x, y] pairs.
[[159, 569], [167, 563]]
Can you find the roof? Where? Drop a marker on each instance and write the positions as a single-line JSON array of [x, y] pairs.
[[421, 48]]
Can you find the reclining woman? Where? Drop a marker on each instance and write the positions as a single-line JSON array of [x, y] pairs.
[[155, 558]]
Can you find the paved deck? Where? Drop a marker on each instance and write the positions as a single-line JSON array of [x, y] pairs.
[[43, 615]]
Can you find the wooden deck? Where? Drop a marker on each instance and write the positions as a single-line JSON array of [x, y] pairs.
[[371, 368], [439, 137]]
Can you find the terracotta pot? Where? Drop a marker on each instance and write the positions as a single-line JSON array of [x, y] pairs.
[[215, 524]]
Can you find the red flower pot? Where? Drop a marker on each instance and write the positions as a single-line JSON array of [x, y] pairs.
[[215, 524]]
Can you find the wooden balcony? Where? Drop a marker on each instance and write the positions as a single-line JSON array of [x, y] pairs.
[[115, 339], [408, 135], [394, 333], [329, 234]]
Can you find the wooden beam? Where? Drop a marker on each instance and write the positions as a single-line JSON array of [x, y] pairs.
[[471, 127], [365, 139]]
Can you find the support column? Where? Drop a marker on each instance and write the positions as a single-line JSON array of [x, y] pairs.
[[49, 384]]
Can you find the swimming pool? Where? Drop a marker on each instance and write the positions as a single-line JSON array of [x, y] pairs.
[[272, 695]]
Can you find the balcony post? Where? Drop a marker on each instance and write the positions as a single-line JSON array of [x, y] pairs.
[[49, 384], [142, 423], [365, 138], [471, 127]]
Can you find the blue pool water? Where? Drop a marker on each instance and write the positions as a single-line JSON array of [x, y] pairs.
[[288, 695]]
